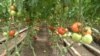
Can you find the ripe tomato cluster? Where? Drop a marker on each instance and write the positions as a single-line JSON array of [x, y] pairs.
[[78, 32]]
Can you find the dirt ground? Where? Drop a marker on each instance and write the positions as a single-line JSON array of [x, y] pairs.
[[40, 47]]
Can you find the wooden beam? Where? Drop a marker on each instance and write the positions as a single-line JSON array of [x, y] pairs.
[[92, 49], [11, 45], [72, 48]]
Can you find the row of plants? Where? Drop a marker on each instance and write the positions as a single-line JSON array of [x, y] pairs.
[[61, 16]]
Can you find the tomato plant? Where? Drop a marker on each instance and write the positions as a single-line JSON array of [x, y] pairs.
[[56, 13]]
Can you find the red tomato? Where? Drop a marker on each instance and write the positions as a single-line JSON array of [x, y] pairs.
[[75, 27], [51, 28], [12, 33], [61, 30]]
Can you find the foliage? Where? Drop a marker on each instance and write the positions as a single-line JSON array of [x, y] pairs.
[[54, 10]]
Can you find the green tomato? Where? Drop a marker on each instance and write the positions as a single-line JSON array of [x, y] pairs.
[[5, 33], [87, 39], [13, 13], [65, 35], [76, 37]]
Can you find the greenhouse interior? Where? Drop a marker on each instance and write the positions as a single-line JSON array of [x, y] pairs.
[[49, 27]]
